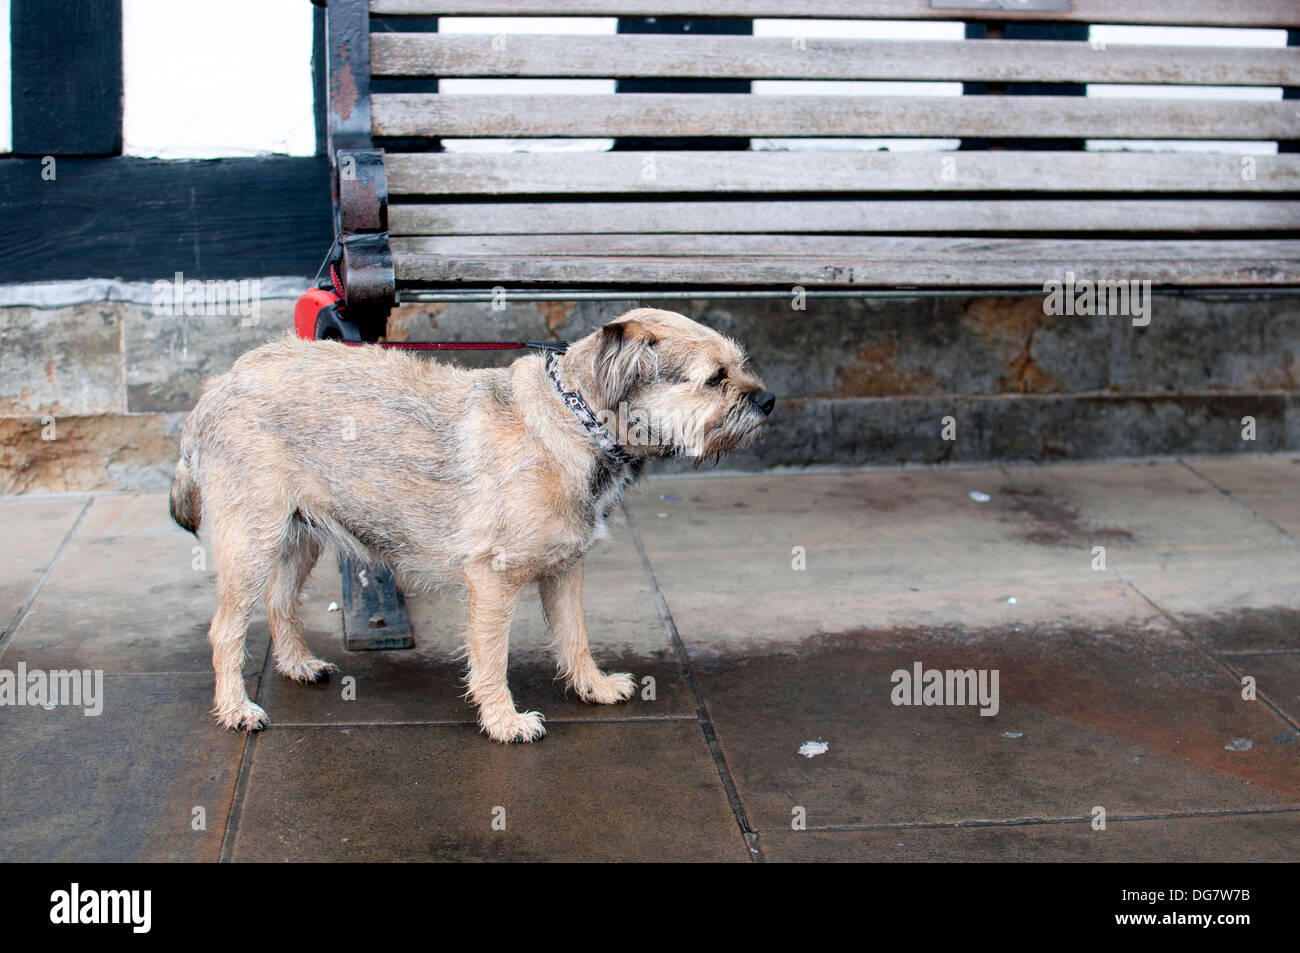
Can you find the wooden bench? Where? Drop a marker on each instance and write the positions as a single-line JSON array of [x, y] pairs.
[[996, 218], [1020, 203]]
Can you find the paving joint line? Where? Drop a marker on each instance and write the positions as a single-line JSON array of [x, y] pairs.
[[1236, 499], [245, 766], [748, 834], [7, 635], [562, 720], [1038, 821]]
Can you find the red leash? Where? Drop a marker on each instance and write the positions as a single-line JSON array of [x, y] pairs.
[[448, 345]]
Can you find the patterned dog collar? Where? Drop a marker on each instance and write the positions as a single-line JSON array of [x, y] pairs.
[[604, 439]]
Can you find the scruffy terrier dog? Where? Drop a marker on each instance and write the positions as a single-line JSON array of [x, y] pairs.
[[491, 479]]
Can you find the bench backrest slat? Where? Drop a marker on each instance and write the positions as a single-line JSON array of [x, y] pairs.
[[1251, 13], [709, 115], [649, 173], [746, 57]]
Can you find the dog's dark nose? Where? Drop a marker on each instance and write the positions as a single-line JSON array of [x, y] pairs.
[[764, 400]]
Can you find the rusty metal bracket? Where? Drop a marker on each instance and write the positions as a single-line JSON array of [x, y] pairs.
[[369, 282], [362, 190], [360, 184]]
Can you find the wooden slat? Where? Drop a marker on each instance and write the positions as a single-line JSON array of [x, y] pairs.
[[1253, 13], [684, 114], [575, 218], [748, 57], [637, 244], [820, 261], [605, 173]]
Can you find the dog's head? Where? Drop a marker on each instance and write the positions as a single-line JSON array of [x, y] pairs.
[[664, 384]]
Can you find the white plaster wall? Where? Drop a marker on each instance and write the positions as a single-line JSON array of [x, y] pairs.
[[206, 79], [6, 116]]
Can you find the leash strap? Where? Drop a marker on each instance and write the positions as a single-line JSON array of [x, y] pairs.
[[558, 347]]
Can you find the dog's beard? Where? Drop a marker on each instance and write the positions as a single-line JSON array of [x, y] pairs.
[[736, 431], [701, 436]]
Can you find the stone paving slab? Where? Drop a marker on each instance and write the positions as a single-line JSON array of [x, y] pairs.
[[120, 786], [1135, 720], [1268, 485], [34, 529], [595, 792], [886, 548], [125, 604]]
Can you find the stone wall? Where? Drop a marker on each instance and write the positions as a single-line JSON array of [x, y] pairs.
[[95, 382]]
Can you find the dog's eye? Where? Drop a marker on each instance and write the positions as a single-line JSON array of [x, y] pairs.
[[717, 378]]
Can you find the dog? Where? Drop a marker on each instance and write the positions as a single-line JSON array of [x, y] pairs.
[[491, 479]]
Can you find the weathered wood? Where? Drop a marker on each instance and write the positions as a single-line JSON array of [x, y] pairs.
[[1256, 13], [574, 218], [604, 173], [747, 57], [142, 219], [67, 77], [821, 261], [684, 114], [637, 244]]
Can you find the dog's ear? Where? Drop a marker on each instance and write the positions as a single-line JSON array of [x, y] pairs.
[[625, 356]]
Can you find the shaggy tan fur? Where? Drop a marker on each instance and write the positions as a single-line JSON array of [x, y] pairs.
[[483, 478]]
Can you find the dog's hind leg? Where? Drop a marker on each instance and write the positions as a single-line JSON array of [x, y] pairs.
[[562, 603], [492, 604], [292, 657], [243, 563]]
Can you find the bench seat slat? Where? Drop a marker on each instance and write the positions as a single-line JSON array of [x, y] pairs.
[[605, 173], [749, 57], [1255, 13], [684, 114], [813, 216], [823, 261]]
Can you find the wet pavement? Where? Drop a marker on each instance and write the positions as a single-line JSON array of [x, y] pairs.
[[1140, 621]]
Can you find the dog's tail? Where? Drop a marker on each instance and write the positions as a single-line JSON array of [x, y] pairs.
[[186, 502]]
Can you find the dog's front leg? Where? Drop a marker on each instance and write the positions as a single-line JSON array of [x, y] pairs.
[[492, 602], [562, 603]]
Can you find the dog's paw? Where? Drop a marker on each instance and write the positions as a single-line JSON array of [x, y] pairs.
[[513, 726], [307, 670], [606, 689], [248, 716]]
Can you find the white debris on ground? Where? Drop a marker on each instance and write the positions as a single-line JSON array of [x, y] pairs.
[[979, 497], [811, 749], [1239, 744], [334, 607], [1011, 600], [1013, 734]]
